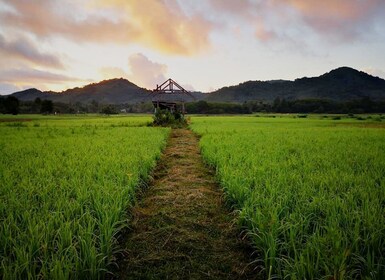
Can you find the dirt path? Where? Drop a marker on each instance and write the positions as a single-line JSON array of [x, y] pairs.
[[181, 228]]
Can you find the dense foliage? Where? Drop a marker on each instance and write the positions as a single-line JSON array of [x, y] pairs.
[[65, 187], [167, 118], [310, 191], [11, 105]]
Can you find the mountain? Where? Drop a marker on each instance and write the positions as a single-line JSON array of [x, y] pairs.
[[341, 84], [31, 94], [114, 91]]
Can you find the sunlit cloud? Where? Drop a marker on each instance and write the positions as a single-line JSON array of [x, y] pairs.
[[145, 72], [112, 72], [164, 26], [47, 19], [141, 71]]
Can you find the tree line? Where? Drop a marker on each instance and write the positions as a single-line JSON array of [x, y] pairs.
[[12, 105]]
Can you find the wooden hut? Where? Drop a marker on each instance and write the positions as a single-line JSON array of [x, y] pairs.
[[171, 96]]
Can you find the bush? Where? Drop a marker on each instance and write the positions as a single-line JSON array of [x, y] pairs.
[[166, 118], [109, 110]]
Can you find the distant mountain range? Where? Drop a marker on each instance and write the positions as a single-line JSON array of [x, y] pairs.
[[342, 84]]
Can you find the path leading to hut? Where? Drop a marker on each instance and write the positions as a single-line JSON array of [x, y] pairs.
[[181, 228]]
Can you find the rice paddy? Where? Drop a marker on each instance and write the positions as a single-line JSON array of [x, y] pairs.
[[311, 192], [65, 187]]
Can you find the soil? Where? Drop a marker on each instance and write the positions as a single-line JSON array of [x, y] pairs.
[[181, 227]]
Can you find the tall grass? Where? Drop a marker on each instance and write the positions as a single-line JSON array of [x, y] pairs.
[[311, 193], [65, 187]]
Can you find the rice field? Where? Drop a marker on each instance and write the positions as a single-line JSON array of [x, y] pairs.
[[65, 187], [310, 191]]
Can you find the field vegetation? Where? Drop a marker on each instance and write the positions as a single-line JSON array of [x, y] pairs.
[[65, 186], [310, 190]]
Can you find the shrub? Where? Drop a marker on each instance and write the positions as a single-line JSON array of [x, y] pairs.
[[166, 118]]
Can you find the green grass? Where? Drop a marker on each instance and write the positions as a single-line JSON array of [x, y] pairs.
[[65, 186], [310, 190]]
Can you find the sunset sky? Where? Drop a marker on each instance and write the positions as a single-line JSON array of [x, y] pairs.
[[202, 44]]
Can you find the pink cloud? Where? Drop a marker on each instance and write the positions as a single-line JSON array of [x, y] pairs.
[[161, 25], [338, 18], [25, 50], [165, 26], [145, 72], [263, 33]]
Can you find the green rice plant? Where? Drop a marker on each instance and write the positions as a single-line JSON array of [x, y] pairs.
[[65, 188], [311, 193]]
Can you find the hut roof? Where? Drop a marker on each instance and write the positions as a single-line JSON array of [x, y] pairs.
[[170, 91]]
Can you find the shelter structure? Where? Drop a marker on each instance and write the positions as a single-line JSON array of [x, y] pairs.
[[170, 96]]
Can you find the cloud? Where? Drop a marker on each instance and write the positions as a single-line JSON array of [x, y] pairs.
[[165, 26], [50, 18], [25, 50], [112, 72], [255, 14], [29, 76], [263, 33], [8, 88], [160, 25], [240, 8], [342, 19], [145, 72]]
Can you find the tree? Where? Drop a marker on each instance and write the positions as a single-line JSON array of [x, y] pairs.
[[109, 110], [46, 107], [2, 108], [11, 105], [37, 101]]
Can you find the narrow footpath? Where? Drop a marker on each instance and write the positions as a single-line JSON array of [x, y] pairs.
[[180, 227]]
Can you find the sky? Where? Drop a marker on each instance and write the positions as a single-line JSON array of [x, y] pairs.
[[202, 44]]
